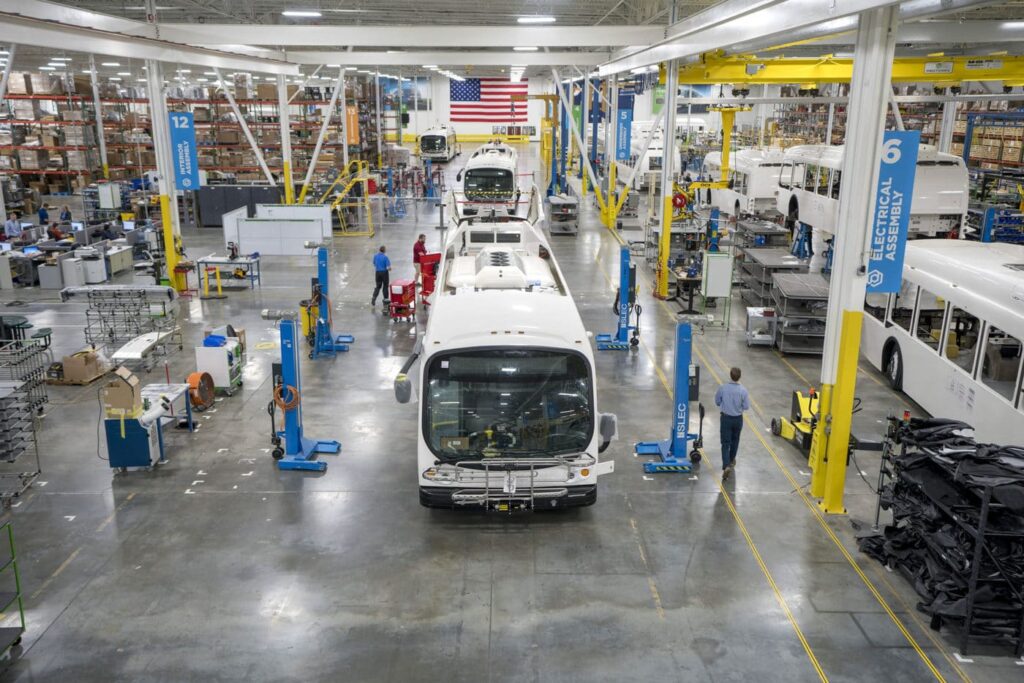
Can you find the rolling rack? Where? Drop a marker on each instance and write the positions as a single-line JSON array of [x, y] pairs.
[[972, 571], [10, 595], [118, 314], [801, 304], [26, 362], [18, 424]]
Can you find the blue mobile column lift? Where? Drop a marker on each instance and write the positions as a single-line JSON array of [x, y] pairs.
[[292, 449], [324, 342], [672, 452], [626, 303]]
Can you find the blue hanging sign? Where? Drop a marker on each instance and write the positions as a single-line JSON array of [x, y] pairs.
[[624, 132], [891, 218], [183, 149]]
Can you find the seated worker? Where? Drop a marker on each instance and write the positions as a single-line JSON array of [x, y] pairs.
[[107, 232], [54, 232], [12, 228], [65, 214]]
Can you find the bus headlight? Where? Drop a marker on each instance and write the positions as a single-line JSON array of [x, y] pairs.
[[441, 474]]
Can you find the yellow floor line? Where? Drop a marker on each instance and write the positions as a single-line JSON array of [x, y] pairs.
[[743, 529], [831, 534]]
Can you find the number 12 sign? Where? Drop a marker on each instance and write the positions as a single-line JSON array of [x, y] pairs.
[[183, 148]]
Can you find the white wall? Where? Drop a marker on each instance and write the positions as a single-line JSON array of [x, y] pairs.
[[419, 121]]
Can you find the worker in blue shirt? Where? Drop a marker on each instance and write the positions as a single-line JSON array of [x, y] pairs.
[[44, 215], [381, 266], [12, 228], [732, 399]]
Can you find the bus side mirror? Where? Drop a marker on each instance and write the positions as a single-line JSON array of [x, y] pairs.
[[403, 389], [608, 428]]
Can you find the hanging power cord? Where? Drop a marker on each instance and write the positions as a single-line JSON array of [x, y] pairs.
[[99, 423]]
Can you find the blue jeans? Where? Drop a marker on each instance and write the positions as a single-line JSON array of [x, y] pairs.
[[731, 425]]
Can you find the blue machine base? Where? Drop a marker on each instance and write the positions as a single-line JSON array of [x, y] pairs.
[[303, 460], [607, 342], [668, 462], [328, 347]]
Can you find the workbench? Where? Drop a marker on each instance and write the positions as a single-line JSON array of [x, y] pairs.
[[250, 264], [801, 304], [759, 266], [174, 393]]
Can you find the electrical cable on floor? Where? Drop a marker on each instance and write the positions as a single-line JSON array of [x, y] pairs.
[[860, 473]]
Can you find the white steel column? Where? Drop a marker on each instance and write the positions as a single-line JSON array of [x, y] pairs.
[[602, 205], [948, 123], [324, 125], [164, 168], [668, 159], [100, 140], [612, 127], [831, 122], [344, 122], [284, 119], [896, 115], [870, 93], [584, 129], [245, 127], [7, 71], [380, 133]]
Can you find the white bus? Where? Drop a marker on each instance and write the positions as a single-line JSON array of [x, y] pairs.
[[491, 175], [439, 144], [508, 414], [753, 180], [809, 193], [951, 339]]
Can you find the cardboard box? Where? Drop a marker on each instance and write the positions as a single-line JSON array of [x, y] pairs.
[[19, 83], [266, 91], [45, 84], [83, 367], [123, 395], [201, 114], [229, 136], [33, 159]]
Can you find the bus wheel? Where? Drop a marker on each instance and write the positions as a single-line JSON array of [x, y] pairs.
[[894, 367]]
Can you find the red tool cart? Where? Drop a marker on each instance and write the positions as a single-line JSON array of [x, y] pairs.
[[429, 263], [403, 300]]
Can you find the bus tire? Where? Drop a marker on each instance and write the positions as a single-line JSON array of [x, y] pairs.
[[892, 362]]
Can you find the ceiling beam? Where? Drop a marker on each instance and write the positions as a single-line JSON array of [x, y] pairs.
[[739, 26], [414, 36], [449, 58], [944, 33]]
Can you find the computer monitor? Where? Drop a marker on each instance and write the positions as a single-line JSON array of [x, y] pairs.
[[26, 226], [30, 250], [128, 226], [77, 225], [5, 246]]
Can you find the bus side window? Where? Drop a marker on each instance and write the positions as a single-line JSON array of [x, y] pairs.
[[823, 181], [809, 171], [962, 338], [1001, 363], [833, 191], [875, 305], [930, 310], [786, 176], [903, 307]]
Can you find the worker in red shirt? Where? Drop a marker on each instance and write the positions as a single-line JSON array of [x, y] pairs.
[[418, 250]]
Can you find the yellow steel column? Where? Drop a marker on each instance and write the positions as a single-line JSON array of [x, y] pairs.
[[170, 243], [819, 442], [728, 119], [664, 246], [842, 413]]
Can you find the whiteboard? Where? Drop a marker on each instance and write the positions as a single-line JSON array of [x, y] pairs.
[[716, 279]]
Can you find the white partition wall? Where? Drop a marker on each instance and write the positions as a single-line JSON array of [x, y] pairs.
[[321, 212]]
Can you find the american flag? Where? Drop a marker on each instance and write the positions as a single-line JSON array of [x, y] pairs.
[[487, 100]]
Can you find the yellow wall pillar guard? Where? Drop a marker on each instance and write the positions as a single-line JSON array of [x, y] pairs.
[[817, 457], [664, 246], [170, 246], [842, 413], [289, 184]]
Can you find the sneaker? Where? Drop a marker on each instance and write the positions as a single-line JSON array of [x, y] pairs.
[[726, 473]]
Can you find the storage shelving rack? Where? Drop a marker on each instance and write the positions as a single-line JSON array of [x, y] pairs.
[[759, 266], [10, 636], [801, 305], [19, 404]]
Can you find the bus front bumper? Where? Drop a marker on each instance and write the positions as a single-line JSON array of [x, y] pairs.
[[538, 499]]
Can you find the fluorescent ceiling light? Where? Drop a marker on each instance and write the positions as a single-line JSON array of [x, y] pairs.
[[300, 13], [60, 59], [209, 73], [430, 66], [47, 68], [141, 80], [536, 20], [641, 70], [184, 71], [1012, 24], [349, 68], [203, 80], [114, 78], [521, 48], [111, 64], [394, 52], [143, 8], [333, 66]]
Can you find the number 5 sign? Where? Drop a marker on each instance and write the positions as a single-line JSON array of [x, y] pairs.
[[183, 149], [891, 217]]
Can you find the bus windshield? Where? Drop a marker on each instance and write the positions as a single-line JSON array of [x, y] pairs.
[[507, 402], [432, 143], [488, 183]]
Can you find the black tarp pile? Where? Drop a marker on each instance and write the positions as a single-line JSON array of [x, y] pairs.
[[936, 493]]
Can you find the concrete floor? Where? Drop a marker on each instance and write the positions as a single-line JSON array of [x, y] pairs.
[[218, 567]]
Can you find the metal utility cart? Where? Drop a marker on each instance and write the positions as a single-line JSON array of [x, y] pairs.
[[801, 304], [564, 215], [17, 440], [759, 266], [760, 330]]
